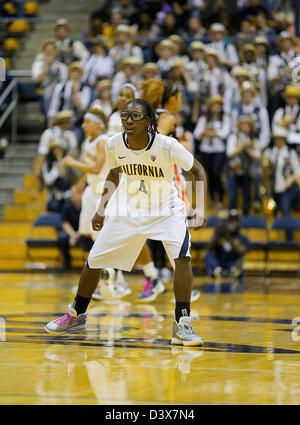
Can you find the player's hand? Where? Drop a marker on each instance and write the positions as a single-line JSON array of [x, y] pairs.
[[198, 220], [97, 222]]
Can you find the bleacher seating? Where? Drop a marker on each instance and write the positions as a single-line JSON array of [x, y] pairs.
[[270, 251], [284, 245], [42, 243], [255, 229], [14, 26]]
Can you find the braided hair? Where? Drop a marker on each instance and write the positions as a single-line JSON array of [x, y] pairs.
[[148, 111]]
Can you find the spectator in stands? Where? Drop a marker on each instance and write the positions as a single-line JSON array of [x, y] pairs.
[[279, 72], [246, 34], [105, 9], [178, 76], [126, 93], [47, 72], [248, 56], [250, 107], [124, 46], [99, 64], [225, 50], [73, 96], [240, 75], [181, 13], [243, 151], [252, 9], [150, 70], [56, 177], [128, 11], [195, 67], [289, 115], [154, 9], [169, 26], [196, 7], [223, 11], [165, 51], [146, 32], [256, 111], [129, 74], [286, 171], [226, 249], [110, 26], [60, 132], [262, 46], [211, 133], [214, 80], [264, 30], [102, 97], [179, 44], [95, 27], [283, 12], [195, 31], [69, 236], [69, 50]]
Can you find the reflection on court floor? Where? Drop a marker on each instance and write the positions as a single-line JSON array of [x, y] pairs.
[[250, 354]]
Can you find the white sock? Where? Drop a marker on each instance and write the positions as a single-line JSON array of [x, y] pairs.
[[150, 271]]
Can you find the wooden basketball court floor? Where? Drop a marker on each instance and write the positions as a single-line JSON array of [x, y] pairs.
[[251, 353]]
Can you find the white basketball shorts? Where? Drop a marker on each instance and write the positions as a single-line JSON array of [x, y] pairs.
[[121, 240]]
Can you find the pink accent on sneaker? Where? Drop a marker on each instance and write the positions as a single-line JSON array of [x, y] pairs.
[[147, 286], [66, 316]]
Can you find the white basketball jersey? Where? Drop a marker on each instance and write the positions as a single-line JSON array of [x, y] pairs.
[[147, 184], [89, 149]]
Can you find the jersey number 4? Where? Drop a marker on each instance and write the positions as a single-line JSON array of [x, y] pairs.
[[143, 187]]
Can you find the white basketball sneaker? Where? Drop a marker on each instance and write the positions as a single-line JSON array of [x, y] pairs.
[[108, 290], [68, 322], [121, 286], [183, 333]]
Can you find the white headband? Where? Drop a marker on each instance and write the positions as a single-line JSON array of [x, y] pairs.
[[94, 118], [130, 86]]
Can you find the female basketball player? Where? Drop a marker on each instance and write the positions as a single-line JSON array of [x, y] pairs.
[[140, 159], [152, 285]]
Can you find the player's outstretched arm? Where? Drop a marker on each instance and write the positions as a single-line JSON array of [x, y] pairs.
[[93, 168], [199, 179]]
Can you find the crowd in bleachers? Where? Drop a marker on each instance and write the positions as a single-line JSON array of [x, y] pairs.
[[232, 62]]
